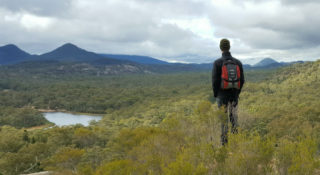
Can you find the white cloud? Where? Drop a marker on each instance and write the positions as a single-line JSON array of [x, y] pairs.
[[199, 26], [277, 29], [181, 30], [32, 22], [38, 7]]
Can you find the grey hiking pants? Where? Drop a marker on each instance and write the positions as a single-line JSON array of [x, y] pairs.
[[230, 108]]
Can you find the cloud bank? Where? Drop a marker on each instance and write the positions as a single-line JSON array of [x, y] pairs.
[[177, 30]]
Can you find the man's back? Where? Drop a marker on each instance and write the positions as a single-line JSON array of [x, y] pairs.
[[216, 77]]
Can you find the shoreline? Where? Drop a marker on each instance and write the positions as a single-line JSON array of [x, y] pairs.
[[69, 112], [50, 110]]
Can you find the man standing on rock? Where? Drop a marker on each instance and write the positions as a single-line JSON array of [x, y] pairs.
[[227, 82]]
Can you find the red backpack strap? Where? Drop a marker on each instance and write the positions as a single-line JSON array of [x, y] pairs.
[[224, 76], [238, 75]]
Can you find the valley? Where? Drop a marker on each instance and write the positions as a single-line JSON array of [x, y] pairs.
[[164, 121]]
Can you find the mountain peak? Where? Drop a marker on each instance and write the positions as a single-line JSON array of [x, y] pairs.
[[68, 49], [69, 46], [265, 62], [69, 52], [11, 54], [10, 46], [268, 59]]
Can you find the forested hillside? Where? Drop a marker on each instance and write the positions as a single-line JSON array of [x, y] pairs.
[[165, 124]]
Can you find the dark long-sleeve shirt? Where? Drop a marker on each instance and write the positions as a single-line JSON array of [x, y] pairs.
[[216, 77]]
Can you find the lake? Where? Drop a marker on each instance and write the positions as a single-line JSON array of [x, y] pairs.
[[63, 119]]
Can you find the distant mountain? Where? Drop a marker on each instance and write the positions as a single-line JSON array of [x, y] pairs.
[[294, 62], [246, 66], [69, 58], [136, 58], [250, 61], [69, 52], [72, 53], [193, 58], [10, 54], [265, 62]]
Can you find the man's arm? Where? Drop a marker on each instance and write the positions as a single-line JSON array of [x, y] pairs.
[[242, 80], [215, 79]]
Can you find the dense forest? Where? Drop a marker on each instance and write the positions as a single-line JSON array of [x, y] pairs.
[[161, 124]]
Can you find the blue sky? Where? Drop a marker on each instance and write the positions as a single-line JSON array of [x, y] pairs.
[[172, 30]]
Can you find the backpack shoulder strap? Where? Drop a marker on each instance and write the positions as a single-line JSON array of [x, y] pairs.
[[228, 61]]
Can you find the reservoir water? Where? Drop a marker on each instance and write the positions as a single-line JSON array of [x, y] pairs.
[[63, 119]]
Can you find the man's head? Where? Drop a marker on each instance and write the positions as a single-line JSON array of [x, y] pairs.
[[225, 45]]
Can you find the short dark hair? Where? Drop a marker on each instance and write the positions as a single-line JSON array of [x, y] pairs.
[[224, 44]]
